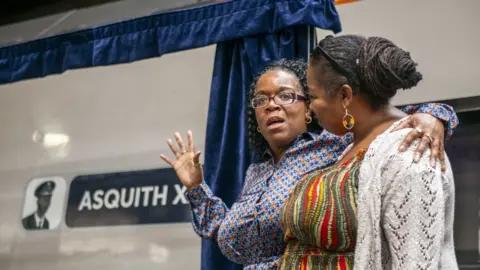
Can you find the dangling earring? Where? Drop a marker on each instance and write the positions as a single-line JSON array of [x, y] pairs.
[[348, 120], [309, 119], [258, 129]]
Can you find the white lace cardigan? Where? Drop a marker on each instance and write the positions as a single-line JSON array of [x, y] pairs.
[[405, 210]]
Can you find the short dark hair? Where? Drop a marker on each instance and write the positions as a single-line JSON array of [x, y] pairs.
[[298, 67], [374, 67]]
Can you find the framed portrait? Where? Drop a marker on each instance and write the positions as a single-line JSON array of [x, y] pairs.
[[43, 203]]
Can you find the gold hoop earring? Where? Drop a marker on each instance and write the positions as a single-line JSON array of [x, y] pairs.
[[309, 119], [348, 120], [258, 129]]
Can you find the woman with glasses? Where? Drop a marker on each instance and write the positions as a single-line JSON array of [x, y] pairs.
[[374, 208], [287, 142]]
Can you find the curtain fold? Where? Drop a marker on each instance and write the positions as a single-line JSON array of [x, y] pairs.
[[158, 34], [227, 157]]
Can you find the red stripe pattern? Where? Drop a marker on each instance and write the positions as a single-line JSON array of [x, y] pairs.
[[319, 219]]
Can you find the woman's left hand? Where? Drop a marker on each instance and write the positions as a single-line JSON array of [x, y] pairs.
[[431, 131]]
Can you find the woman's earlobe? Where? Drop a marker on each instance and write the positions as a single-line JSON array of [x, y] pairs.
[[308, 113], [347, 95]]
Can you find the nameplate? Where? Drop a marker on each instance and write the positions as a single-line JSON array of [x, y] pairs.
[[127, 198]]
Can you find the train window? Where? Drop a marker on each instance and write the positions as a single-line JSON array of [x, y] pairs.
[[463, 150]]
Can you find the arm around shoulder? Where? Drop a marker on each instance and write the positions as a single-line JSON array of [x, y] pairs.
[[442, 112]]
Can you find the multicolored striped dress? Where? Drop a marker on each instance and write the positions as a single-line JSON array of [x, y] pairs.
[[319, 219]]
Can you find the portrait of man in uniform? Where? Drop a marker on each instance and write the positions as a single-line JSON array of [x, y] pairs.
[[43, 203], [38, 220]]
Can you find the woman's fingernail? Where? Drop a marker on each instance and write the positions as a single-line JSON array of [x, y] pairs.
[[416, 158], [432, 163], [401, 148]]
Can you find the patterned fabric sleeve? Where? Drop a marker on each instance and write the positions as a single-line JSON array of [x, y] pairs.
[[440, 111], [208, 211], [334, 143], [414, 210]]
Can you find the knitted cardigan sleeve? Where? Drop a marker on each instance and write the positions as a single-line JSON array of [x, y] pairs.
[[413, 213], [405, 209]]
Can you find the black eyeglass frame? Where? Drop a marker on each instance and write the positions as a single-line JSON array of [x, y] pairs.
[[294, 98]]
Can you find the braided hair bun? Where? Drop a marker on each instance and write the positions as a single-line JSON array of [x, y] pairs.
[[384, 68]]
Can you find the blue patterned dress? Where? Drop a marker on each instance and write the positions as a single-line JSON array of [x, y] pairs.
[[249, 233]]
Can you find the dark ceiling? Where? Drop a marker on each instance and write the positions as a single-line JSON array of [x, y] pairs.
[[13, 11]]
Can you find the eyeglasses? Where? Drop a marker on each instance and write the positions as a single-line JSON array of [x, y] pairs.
[[260, 101]]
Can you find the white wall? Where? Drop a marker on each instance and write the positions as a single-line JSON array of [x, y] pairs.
[[118, 119], [442, 36]]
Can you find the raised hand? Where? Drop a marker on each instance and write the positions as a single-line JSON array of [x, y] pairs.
[[187, 162]]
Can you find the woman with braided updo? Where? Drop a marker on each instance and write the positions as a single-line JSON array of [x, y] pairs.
[[374, 208], [286, 142]]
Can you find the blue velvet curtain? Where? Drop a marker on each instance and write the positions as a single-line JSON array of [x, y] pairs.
[[226, 157], [248, 34], [158, 34]]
